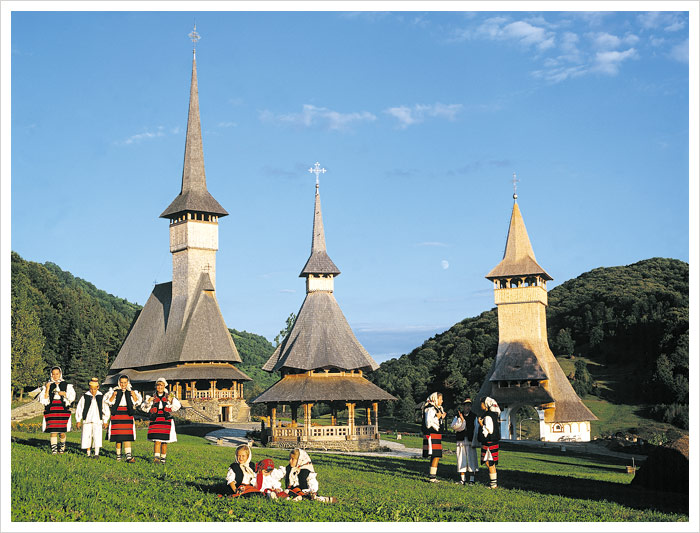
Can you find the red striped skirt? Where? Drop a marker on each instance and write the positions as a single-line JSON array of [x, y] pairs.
[[493, 448], [159, 429], [121, 426], [57, 418], [432, 445]]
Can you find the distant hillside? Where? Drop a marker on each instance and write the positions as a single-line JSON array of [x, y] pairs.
[[630, 322], [58, 319]]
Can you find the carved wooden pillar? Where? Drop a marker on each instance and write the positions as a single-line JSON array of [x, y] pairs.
[[193, 384], [294, 408], [369, 415], [375, 407]]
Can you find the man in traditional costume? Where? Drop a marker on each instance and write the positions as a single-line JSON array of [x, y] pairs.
[[92, 413], [122, 402], [56, 397], [161, 429], [464, 425], [432, 438], [489, 434]]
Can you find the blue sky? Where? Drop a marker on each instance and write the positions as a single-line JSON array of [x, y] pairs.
[[420, 119]]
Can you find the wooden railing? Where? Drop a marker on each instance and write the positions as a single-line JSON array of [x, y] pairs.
[[322, 432], [208, 394]]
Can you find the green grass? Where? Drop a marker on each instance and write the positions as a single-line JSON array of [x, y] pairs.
[[533, 487]]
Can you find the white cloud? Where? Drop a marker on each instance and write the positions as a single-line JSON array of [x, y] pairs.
[[667, 21], [444, 264], [226, 124], [408, 116], [559, 74], [318, 116], [290, 291], [680, 52], [604, 41], [609, 62], [159, 132]]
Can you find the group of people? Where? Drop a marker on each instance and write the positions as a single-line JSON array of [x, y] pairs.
[[471, 431], [113, 411], [246, 479]]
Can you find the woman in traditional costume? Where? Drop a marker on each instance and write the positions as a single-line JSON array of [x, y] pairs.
[[432, 438], [464, 425], [161, 430], [122, 401], [489, 434], [56, 397]]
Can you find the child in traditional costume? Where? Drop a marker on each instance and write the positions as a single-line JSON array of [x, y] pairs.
[[268, 479], [300, 478], [93, 413], [489, 434], [464, 425], [56, 397], [432, 438], [240, 476], [161, 430], [122, 402]]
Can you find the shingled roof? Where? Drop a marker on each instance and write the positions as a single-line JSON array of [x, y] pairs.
[[181, 373], [194, 195], [318, 262], [568, 407], [167, 332], [320, 338], [518, 257], [320, 388]]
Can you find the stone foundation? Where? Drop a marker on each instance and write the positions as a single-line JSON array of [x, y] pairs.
[[199, 410]]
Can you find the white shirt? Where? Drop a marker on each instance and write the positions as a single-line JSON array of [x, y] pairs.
[[68, 399], [93, 414], [110, 392], [431, 419]]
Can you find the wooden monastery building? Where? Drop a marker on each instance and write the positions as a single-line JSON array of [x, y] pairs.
[[180, 334], [525, 372], [321, 361]]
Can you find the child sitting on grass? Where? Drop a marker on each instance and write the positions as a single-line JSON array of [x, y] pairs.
[[268, 479], [300, 478], [240, 476]]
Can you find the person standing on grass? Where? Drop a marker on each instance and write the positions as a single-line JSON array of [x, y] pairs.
[[161, 430], [489, 434], [92, 412], [56, 397], [122, 402], [432, 438], [464, 425]]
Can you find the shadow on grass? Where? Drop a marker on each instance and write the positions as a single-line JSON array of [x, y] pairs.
[[589, 489], [612, 468]]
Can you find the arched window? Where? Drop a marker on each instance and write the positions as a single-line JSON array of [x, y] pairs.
[[557, 428]]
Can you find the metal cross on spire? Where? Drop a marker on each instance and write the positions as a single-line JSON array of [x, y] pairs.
[[316, 169], [194, 36], [515, 187]]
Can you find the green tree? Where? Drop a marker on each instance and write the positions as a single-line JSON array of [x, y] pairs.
[[563, 343], [287, 328], [27, 340]]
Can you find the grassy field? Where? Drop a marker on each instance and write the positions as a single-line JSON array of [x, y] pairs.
[[533, 487]]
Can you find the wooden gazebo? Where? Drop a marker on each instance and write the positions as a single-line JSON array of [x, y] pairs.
[[321, 361]]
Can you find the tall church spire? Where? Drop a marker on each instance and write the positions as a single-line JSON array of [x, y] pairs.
[[194, 196], [318, 263], [518, 257]]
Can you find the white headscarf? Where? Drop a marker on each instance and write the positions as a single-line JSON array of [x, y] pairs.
[[432, 399], [248, 472], [491, 405], [303, 463]]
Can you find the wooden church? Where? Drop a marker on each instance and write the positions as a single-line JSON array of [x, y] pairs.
[[321, 361], [180, 333], [525, 372]]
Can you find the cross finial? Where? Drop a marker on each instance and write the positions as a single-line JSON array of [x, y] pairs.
[[515, 187], [316, 169], [194, 36]]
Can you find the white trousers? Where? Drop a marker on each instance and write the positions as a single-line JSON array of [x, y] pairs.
[[92, 435], [466, 457]]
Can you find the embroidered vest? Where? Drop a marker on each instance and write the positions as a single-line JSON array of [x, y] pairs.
[[62, 386], [88, 403], [159, 406], [303, 475], [129, 403], [494, 437]]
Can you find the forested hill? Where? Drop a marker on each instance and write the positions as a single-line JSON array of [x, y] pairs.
[[631, 320], [58, 319]]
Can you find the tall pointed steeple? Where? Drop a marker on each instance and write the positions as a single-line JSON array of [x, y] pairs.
[[518, 257], [318, 263], [194, 196]]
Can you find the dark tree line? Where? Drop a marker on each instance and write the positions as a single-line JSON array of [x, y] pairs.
[[633, 319]]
